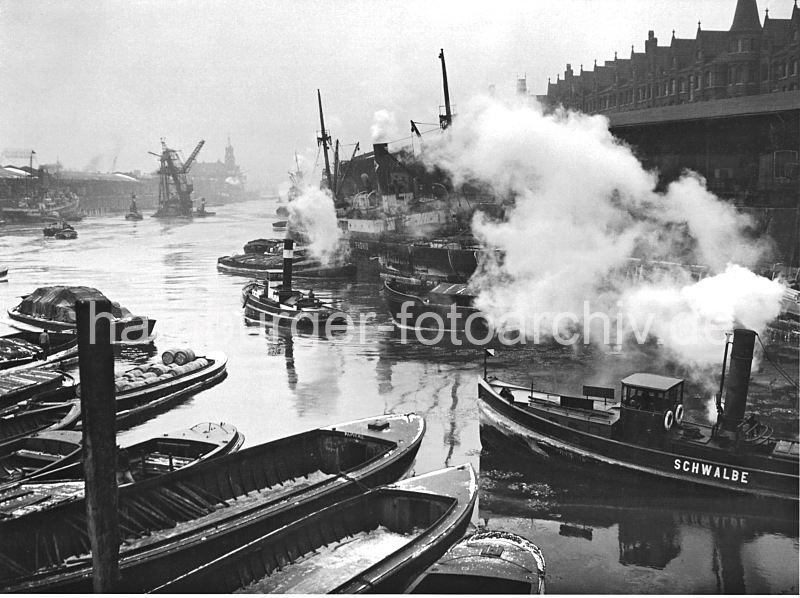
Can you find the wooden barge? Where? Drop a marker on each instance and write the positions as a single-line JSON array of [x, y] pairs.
[[375, 542], [53, 309], [176, 522], [142, 461], [29, 349], [149, 388]]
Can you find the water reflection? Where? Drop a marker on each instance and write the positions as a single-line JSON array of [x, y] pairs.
[[597, 535], [641, 541], [322, 364]]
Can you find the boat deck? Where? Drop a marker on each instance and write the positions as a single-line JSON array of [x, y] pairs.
[[588, 409], [333, 564], [17, 386]]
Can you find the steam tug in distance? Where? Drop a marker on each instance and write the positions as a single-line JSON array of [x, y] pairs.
[[645, 430]]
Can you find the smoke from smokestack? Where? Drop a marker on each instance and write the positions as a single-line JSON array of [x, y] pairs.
[[384, 126], [583, 206], [313, 213]]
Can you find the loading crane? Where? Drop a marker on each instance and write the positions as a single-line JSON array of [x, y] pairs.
[[174, 190]]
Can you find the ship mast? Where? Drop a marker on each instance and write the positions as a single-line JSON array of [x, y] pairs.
[[446, 119], [324, 139]]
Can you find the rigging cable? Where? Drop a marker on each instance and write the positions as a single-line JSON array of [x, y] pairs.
[[777, 367]]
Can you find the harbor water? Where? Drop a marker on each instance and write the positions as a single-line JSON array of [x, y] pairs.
[[597, 535]]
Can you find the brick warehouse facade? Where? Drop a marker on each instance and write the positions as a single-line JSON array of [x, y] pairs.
[[748, 59], [725, 105]]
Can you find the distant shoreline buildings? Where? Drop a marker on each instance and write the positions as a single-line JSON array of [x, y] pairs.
[[218, 182], [748, 59]]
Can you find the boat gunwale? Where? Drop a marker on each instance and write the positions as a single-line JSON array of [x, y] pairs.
[[396, 452], [377, 570], [586, 453]]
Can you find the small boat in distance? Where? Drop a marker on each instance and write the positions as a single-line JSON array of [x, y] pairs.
[[66, 234], [644, 433], [486, 562], [3, 273], [56, 228], [133, 210], [375, 542], [201, 211]]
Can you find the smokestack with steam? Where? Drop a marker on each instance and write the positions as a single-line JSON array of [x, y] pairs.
[[288, 256], [738, 378], [382, 166]]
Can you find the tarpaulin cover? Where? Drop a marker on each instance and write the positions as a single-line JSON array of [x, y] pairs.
[[58, 303]]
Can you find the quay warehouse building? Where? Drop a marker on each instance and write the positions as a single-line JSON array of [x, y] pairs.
[[725, 104]]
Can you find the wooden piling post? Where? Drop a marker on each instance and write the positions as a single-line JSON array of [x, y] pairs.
[[98, 412]]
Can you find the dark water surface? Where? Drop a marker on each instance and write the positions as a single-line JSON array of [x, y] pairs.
[[598, 536]]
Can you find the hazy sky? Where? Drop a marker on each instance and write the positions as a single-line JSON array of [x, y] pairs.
[[85, 81]]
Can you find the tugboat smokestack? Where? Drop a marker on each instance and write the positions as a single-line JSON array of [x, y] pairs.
[[738, 377], [288, 256]]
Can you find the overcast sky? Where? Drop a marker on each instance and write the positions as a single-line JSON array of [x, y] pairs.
[[88, 81]]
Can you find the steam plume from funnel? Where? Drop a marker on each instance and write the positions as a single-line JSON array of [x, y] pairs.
[[583, 206], [313, 214], [384, 126]]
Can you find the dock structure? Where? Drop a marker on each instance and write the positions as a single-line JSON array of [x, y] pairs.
[[725, 104]]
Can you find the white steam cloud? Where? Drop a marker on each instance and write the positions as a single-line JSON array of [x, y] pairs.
[[314, 216], [384, 126], [584, 206]]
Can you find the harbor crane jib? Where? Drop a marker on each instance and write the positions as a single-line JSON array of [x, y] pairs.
[[174, 190]]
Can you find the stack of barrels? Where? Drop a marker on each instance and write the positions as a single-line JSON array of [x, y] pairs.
[[175, 362]]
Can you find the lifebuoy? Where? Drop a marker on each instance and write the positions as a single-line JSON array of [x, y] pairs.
[[678, 415], [669, 419]]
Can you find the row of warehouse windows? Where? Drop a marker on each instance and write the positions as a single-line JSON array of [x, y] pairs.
[[736, 74]]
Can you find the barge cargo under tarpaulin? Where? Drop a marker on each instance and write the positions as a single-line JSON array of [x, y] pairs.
[[644, 432], [53, 308]]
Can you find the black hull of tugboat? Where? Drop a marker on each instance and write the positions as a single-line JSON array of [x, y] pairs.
[[457, 265], [411, 311], [258, 267], [281, 315], [529, 432]]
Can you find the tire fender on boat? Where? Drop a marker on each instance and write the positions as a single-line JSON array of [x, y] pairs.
[[678, 415], [669, 419]]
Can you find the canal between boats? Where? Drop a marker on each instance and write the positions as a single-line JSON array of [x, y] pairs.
[[598, 536]]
